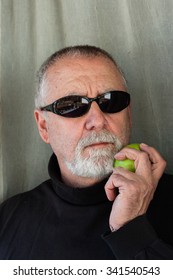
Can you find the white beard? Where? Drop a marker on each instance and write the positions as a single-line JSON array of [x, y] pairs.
[[99, 162]]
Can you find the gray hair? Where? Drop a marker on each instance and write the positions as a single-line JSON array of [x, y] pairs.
[[74, 51]]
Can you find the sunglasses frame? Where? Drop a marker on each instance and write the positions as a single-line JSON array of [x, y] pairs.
[[52, 107]]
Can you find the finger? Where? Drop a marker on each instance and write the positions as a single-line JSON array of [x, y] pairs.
[[110, 190], [127, 153], [124, 172], [158, 163], [143, 165], [115, 182], [153, 154], [141, 160]]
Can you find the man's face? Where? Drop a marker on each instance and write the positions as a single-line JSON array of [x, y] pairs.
[[84, 146]]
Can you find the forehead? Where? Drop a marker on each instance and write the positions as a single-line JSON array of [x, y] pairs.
[[73, 65], [79, 73]]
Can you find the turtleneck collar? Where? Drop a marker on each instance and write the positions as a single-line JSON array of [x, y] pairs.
[[80, 196]]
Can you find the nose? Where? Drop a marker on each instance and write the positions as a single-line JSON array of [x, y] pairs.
[[95, 118]]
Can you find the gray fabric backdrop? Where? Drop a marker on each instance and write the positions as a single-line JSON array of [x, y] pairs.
[[138, 33]]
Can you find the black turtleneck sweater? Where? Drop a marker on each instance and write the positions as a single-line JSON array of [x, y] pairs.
[[55, 221]]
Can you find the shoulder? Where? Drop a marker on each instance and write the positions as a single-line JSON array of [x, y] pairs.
[[160, 212], [166, 179], [164, 193], [26, 200], [20, 219], [165, 187]]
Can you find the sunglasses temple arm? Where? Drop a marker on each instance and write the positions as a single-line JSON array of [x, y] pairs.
[[49, 108]]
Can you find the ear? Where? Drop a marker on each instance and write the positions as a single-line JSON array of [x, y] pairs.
[[42, 125]]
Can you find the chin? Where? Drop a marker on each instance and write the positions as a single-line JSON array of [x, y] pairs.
[[97, 167]]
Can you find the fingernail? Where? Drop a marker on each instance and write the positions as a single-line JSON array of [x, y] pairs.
[[143, 145], [119, 156]]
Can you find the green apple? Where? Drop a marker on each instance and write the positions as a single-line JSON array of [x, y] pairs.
[[127, 163]]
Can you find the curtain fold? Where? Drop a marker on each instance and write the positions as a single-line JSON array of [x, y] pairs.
[[138, 33]]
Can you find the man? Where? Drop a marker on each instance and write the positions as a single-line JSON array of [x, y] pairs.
[[87, 209]]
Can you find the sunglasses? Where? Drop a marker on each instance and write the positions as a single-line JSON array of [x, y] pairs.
[[74, 106]]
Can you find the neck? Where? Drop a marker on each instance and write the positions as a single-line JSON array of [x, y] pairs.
[[77, 181]]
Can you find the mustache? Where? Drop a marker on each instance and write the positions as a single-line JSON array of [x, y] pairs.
[[98, 137]]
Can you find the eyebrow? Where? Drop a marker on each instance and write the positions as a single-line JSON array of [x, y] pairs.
[[73, 93], [86, 94]]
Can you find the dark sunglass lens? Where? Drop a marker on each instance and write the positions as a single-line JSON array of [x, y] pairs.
[[72, 106], [114, 101], [105, 101]]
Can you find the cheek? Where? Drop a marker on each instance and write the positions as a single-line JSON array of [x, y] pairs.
[[63, 139], [126, 129], [121, 126]]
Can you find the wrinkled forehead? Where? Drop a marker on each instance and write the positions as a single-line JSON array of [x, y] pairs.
[[81, 75]]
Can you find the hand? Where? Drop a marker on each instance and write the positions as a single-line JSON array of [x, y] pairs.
[[136, 190]]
